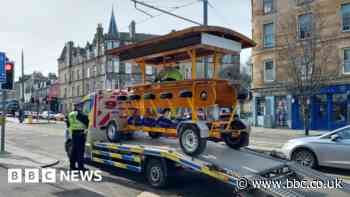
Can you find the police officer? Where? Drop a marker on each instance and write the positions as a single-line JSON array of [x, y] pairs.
[[77, 123]]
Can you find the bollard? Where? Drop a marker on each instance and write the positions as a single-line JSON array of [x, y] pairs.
[[30, 119]]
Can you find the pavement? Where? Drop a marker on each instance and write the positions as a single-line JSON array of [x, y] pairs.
[[269, 139]]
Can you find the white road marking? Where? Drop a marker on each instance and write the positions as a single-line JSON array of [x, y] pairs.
[[148, 194]]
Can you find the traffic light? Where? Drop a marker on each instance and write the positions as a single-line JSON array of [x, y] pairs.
[[9, 70]]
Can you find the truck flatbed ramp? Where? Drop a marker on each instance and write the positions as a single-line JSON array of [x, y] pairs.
[[220, 162]]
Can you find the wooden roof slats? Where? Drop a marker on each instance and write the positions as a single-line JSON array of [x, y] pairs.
[[173, 46]]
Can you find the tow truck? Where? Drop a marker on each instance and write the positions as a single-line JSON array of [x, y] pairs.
[[159, 157]]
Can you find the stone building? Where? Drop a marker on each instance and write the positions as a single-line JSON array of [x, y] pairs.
[[272, 105], [36, 89], [83, 70]]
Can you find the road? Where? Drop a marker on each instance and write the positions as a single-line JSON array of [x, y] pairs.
[[47, 140]]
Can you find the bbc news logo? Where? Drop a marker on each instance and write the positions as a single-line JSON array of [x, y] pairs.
[[51, 175]]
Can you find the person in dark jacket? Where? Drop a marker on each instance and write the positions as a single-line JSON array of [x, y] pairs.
[[77, 123], [237, 124]]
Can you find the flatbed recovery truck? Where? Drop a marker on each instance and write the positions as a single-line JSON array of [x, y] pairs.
[[157, 159]]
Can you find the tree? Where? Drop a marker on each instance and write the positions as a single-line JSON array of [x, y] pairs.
[[307, 54]]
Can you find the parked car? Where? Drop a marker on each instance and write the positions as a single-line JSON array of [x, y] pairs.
[[331, 149], [59, 117], [47, 115]]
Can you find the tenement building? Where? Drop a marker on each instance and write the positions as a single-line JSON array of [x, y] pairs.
[[83, 70], [274, 22]]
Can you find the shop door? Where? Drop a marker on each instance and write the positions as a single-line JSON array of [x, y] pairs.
[[339, 111], [319, 115]]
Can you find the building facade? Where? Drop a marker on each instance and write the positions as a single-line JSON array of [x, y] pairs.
[[36, 90], [83, 70], [272, 105]]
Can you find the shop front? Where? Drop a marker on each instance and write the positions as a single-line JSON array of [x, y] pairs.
[[329, 109], [271, 111]]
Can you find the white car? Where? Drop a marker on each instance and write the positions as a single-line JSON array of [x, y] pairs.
[[331, 149], [47, 115]]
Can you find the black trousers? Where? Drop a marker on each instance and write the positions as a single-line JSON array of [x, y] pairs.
[[78, 149]]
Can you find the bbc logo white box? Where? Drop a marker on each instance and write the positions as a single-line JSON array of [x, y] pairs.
[[31, 175], [48, 175], [14, 176]]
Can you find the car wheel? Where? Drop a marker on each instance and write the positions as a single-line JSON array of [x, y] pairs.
[[190, 140], [113, 135], [236, 143], [305, 158]]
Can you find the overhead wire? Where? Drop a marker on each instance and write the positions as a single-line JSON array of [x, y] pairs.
[[172, 8], [217, 13]]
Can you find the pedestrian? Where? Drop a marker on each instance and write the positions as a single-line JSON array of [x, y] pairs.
[[20, 115], [77, 124], [237, 123]]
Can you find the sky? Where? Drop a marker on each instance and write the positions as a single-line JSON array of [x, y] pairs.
[[42, 27]]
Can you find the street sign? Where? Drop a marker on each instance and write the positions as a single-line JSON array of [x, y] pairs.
[[2, 67]]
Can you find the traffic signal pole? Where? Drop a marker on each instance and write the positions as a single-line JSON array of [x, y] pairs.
[[2, 122]]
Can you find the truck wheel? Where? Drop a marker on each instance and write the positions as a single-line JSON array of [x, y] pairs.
[[190, 140], [113, 135], [156, 173], [68, 147], [236, 143], [154, 135]]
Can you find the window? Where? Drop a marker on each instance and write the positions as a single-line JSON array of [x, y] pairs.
[[149, 70], [305, 65], [115, 64], [346, 61], [345, 12], [339, 107], [268, 6], [269, 70], [78, 74], [87, 88], [73, 89], [344, 134], [78, 90], [88, 73], [65, 93], [128, 68], [269, 35], [303, 2], [94, 71], [87, 106], [72, 76], [260, 106], [109, 44], [305, 26]]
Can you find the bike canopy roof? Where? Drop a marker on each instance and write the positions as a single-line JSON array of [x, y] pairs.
[[180, 46]]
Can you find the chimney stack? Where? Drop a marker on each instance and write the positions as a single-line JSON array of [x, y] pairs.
[[132, 31]]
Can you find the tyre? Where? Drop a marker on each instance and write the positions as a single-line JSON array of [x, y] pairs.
[[305, 158], [68, 147], [154, 135], [156, 173], [190, 140], [236, 143], [112, 133]]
